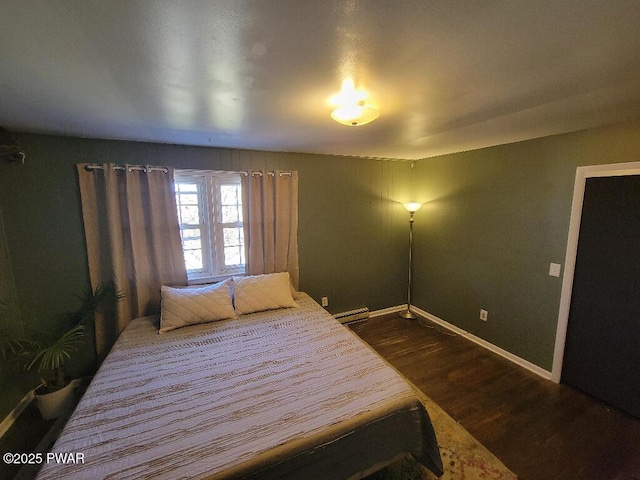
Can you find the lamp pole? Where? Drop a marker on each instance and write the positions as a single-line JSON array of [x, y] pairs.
[[412, 208]]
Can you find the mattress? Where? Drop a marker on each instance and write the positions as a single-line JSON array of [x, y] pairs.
[[289, 393]]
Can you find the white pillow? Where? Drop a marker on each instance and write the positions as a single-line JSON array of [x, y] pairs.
[[180, 307], [255, 293]]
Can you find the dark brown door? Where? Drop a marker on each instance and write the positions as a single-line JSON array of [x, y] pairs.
[[602, 350]]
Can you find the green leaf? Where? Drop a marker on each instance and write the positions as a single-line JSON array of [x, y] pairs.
[[10, 347], [55, 355]]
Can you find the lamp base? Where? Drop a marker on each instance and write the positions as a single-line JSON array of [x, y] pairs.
[[408, 314]]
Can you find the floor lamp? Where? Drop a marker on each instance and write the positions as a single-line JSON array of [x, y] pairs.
[[412, 208]]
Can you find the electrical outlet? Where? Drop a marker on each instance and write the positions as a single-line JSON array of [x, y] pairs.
[[483, 315], [325, 301]]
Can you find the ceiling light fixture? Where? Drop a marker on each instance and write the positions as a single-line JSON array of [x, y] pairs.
[[350, 107], [355, 114]]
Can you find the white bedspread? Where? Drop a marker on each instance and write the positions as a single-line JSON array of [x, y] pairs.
[[289, 393]]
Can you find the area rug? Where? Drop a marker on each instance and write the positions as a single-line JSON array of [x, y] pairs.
[[463, 457]]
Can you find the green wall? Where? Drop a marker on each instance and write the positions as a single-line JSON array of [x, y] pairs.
[[494, 220], [13, 384], [352, 241]]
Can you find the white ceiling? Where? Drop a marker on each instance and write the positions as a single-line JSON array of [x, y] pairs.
[[447, 75]]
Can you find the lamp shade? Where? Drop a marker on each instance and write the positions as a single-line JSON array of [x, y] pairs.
[[412, 207], [354, 114]]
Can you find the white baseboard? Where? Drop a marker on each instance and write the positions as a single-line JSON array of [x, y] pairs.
[[15, 413], [387, 311], [483, 343], [469, 336]]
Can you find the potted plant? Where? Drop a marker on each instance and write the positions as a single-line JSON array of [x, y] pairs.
[[50, 354], [55, 396]]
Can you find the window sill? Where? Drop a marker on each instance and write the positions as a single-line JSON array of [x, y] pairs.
[[216, 279]]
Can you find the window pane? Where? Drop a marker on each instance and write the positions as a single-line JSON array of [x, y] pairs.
[[190, 215], [189, 233], [232, 256], [193, 259], [230, 194], [231, 237], [230, 214], [231, 206], [192, 248], [186, 187], [188, 199], [194, 244]]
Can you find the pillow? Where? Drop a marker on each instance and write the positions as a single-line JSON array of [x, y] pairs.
[[180, 307], [255, 293]]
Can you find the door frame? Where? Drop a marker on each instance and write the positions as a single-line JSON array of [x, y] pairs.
[[582, 173]]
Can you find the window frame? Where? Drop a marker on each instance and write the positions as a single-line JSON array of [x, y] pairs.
[[210, 213]]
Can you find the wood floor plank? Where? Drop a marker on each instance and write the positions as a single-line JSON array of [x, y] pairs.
[[540, 430]]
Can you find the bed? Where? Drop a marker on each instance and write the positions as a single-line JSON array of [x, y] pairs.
[[286, 393]]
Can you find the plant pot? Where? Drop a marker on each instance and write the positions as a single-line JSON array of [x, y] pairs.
[[54, 404]]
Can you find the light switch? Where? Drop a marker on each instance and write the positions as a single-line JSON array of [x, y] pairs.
[[554, 269]]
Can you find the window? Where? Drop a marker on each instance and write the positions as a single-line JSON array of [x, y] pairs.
[[210, 216]]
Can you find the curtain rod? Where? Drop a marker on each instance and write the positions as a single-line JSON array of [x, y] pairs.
[[271, 174], [254, 173], [128, 168], [131, 168]]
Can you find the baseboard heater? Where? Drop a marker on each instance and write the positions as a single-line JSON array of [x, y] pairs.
[[352, 315]]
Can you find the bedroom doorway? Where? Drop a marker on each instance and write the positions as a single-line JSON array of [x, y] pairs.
[[599, 320]]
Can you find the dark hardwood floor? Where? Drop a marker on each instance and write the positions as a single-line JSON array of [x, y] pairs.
[[540, 430]]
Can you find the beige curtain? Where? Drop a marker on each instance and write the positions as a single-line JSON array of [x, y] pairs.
[[133, 237], [270, 203]]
